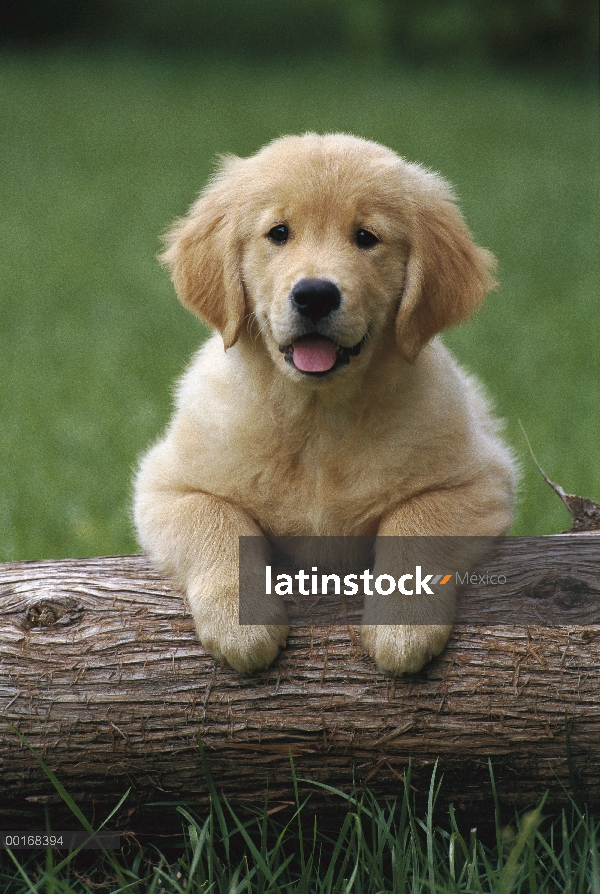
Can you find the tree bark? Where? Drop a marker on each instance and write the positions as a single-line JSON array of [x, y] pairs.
[[101, 672]]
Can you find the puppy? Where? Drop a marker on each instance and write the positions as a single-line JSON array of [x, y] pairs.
[[324, 403]]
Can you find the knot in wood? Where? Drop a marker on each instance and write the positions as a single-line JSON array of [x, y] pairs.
[[52, 611], [563, 591]]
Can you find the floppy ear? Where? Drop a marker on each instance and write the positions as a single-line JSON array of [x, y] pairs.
[[447, 275], [203, 257]]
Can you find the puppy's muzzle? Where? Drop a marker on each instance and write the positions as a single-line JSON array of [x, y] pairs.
[[315, 353], [315, 298]]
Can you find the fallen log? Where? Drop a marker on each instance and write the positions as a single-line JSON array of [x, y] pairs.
[[101, 672]]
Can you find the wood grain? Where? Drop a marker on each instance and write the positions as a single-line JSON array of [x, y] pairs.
[[100, 670]]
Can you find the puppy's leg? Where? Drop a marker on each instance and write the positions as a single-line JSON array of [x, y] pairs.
[[477, 510], [194, 537]]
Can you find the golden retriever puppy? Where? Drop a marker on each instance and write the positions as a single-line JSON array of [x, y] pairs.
[[323, 404]]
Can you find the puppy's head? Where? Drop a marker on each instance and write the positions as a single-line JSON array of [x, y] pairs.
[[322, 245]]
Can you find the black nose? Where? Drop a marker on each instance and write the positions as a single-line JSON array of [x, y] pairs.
[[315, 298]]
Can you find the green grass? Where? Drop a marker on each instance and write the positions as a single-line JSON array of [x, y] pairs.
[[100, 153], [370, 848]]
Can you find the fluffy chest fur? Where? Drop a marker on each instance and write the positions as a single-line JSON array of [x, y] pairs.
[[297, 462]]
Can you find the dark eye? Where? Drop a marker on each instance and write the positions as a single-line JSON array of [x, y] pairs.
[[365, 239], [279, 234]]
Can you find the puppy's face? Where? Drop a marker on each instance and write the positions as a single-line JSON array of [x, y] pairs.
[[319, 246], [323, 262]]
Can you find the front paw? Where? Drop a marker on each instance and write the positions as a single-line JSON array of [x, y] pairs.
[[214, 603], [404, 649], [245, 648]]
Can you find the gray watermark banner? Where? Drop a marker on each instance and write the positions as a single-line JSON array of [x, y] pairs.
[[324, 581]]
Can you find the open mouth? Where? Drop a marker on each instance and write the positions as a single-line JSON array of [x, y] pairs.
[[316, 355]]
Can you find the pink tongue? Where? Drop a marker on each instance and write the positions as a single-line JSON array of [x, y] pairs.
[[314, 354]]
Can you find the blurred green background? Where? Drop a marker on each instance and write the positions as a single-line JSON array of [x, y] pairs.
[[111, 115]]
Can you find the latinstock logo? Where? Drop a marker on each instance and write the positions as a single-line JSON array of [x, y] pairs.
[[385, 584], [374, 580]]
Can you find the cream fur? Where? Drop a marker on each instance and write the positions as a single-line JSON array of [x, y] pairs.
[[399, 441]]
